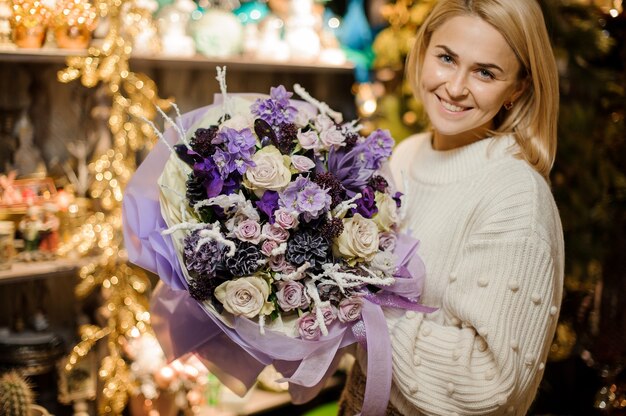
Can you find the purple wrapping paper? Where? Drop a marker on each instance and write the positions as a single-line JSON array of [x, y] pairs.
[[237, 355]]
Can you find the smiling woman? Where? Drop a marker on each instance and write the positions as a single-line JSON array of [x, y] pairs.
[[469, 73], [477, 196]]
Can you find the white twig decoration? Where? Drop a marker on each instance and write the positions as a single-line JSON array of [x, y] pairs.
[[345, 206], [221, 78], [322, 106]]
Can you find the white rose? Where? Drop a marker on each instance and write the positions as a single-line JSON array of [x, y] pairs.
[[302, 163], [245, 296], [359, 239], [308, 140], [332, 137], [387, 215], [238, 122], [270, 173]]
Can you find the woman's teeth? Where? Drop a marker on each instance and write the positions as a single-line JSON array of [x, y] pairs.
[[451, 107]]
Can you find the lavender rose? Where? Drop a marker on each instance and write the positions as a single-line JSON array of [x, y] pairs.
[[286, 219], [268, 246], [329, 313], [248, 230], [350, 309], [292, 295], [387, 240], [245, 296], [275, 232], [309, 140], [332, 137], [308, 328], [302, 163]]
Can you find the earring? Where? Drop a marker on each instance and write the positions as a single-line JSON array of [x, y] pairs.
[[508, 106]]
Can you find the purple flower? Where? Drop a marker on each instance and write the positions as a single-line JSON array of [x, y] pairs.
[[208, 173], [377, 148], [308, 328], [268, 204], [387, 241], [398, 198], [292, 295], [277, 109], [281, 95], [289, 196], [366, 205], [350, 309], [238, 142], [313, 201], [350, 168], [305, 197], [224, 162], [329, 313]]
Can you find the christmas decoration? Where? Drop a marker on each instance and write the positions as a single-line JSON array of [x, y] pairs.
[[29, 22], [134, 98]]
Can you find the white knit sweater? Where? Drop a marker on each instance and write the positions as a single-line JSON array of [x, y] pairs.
[[492, 244]]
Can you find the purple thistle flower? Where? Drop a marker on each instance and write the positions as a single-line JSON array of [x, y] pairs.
[[351, 168], [366, 205]]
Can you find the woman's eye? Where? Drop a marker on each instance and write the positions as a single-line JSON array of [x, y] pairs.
[[445, 58], [485, 74]]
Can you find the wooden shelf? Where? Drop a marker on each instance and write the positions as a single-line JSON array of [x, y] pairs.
[[41, 269], [237, 63]]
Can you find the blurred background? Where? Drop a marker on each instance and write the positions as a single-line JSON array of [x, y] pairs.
[[76, 79]]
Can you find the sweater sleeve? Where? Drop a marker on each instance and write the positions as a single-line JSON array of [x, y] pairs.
[[500, 307]]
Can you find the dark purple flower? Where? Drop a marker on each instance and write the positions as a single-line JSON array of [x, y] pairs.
[[366, 205], [379, 183], [187, 155], [397, 197], [208, 173], [268, 204], [224, 162], [350, 168]]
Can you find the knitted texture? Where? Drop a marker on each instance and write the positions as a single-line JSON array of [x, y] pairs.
[[492, 243]]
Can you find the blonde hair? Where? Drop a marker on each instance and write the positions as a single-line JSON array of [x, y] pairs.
[[533, 118]]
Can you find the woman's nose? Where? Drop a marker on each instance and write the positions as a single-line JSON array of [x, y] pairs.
[[457, 85]]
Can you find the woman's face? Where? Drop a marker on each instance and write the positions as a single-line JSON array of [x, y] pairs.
[[469, 73]]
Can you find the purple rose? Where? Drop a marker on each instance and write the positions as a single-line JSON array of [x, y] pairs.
[[275, 232], [248, 230], [366, 205], [308, 328], [350, 309], [329, 313], [286, 219], [292, 295], [268, 246], [280, 264], [387, 240]]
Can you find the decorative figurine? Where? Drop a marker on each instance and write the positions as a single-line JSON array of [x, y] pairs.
[[49, 233], [30, 226]]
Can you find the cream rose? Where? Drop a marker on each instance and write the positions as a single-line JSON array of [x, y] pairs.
[[271, 171], [387, 215], [245, 296], [359, 239]]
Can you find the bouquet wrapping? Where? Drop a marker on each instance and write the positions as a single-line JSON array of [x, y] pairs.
[[274, 230]]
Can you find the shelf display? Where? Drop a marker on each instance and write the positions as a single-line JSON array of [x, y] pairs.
[[73, 23], [29, 22]]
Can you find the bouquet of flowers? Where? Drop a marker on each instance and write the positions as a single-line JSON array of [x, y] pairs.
[[274, 227]]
